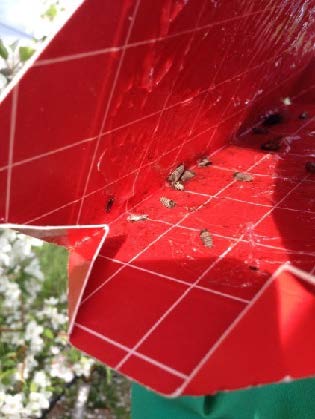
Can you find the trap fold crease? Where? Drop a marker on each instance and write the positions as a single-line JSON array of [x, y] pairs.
[[187, 285]]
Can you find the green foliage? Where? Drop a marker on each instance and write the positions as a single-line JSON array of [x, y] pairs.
[[51, 12], [25, 53], [53, 262], [3, 51]]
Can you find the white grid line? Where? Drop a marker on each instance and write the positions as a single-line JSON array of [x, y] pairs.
[[285, 267], [178, 75], [226, 333], [118, 179], [207, 94], [126, 349], [162, 235], [171, 278], [108, 105], [249, 202], [221, 257], [140, 43], [11, 150], [258, 244], [238, 87], [178, 301], [212, 87]]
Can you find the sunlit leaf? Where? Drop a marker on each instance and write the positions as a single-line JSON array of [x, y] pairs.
[[25, 53], [3, 51]]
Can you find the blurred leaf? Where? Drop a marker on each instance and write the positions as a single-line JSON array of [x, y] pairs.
[[3, 51], [48, 334], [51, 12], [73, 355], [14, 45], [5, 377], [33, 387], [25, 53]]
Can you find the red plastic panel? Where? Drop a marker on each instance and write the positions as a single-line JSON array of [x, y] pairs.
[[122, 95]]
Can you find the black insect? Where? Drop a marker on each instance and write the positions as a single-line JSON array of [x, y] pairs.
[[253, 268], [272, 145], [310, 166], [273, 119], [303, 115], [260, 130], [109, 204]]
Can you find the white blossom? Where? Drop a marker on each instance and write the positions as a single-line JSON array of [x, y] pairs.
[[12, 406], [61, 369], [83, 367], [41, 379], [37, 401]]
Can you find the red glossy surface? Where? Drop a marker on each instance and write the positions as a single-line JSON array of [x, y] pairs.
[[122, 95]]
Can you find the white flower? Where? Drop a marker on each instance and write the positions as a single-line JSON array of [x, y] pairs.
[[55, 350], [51, 301], [41, 379], [83, 367], [37, 402], [57, 319], [33, 268], [60, 368], [30, 364], [12, 406], [32, 334], [12, 296]]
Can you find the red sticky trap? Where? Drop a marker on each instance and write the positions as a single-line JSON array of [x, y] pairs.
[[89, 137]]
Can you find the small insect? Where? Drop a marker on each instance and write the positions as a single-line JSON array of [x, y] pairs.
[[253, 268], [137, 217], [310, 166], [243, 177], [272, 145], [273, 119], [168, 203], [178, 186], [176, 174], [188, 174], [206, 238], [260, 130], [204, 162], [303, 115], [109, 204]]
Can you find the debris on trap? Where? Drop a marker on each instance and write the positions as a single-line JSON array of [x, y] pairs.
[[188, 174], [286, 101], [303, 115], [109, 205], [272, 119], [206, 238], [310, 166], [260, 130], [204, 162], [272, 145], [243, 177], [137, 217], [178, 186], [168, 203]]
